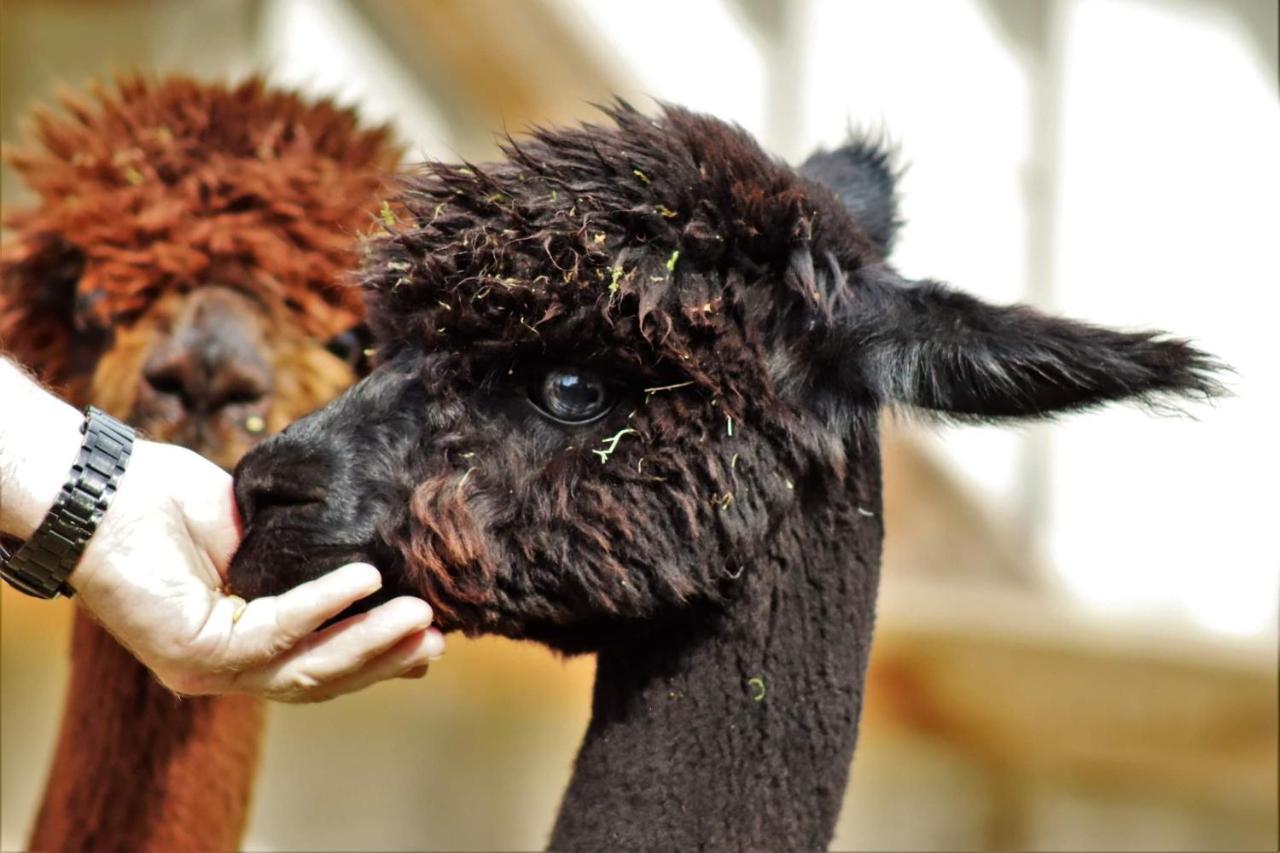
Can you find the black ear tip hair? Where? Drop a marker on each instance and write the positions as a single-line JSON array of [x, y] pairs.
[[1182, 376], [863, 173], [868, 149], [1205, 374]]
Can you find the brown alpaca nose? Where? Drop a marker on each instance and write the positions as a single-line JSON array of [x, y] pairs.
[[210, 360]]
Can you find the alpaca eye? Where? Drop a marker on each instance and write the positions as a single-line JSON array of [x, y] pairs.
[[572, 396], [350, 346]]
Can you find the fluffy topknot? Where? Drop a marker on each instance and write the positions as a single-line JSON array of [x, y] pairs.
[[594, 232], [148, 185]]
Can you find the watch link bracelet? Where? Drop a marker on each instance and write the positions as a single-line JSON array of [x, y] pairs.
[[41, 566]]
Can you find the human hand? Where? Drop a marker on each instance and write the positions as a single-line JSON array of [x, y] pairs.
[[153, 575]]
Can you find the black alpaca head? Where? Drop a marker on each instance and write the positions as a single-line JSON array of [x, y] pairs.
[[612, 365]]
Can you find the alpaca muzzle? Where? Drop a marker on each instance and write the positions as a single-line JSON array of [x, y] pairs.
[[205, 378], [309, 505], [281, 497], [302, 514]]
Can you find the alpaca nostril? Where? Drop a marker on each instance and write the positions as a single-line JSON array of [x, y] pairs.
[[287, 494], [206, 374], [257, 500], [167, 377], [265, 484]]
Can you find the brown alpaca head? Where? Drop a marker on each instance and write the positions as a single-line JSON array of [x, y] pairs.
[[182, 264], [613, 365]]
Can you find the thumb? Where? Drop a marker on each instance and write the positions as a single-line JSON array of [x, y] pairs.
[[221, 536], [264, 628], [208, 506]]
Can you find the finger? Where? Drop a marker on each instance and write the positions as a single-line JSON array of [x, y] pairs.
[[268, 627], [208, 505], [406, 656], [341, 649], [222, 534], [416, 672], [296, 681]]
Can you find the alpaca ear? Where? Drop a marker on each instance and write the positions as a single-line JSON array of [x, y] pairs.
[[862, 176], [925, 345], [39, 303]]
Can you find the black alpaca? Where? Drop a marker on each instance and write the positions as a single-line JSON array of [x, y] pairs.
[[627, 403]]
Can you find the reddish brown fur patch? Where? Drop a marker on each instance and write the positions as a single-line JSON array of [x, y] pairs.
[[166, 185], [169, 775], [450, 558]]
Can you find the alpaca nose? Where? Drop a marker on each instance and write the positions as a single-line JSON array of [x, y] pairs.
[[204, 374], [213, 355], [274, 477]]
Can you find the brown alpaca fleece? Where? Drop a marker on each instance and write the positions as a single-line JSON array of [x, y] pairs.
[[171, 774], [149, 191], [146, 187]]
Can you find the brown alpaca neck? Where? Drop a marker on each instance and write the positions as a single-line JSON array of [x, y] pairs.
[[688, 750], [137, 768]]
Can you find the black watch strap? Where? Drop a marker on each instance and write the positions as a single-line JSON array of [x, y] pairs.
[[41, 566]]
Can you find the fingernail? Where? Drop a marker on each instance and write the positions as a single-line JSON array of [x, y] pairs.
[[433, 644], [363, 576], [416, 612]]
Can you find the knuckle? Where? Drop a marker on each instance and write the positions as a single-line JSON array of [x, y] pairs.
[[281, 638], [275, 646], [305, 687], [298, 687], [279, 645]]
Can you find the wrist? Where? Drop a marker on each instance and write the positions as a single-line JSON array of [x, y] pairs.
[[110, 544], [41, 566], [38, 445]]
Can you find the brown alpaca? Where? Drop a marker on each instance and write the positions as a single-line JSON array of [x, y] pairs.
[[627, 402], [180, 269]]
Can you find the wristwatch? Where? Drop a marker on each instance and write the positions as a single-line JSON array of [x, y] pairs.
[[41, 566]]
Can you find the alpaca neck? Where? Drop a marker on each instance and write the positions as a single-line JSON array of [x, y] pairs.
[[137, 768], [688, 750]]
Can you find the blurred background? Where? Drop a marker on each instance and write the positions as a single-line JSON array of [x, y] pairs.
[[1077, 641]]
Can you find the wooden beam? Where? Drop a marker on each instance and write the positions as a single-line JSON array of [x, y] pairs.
[[1022, 682], [494, 64]]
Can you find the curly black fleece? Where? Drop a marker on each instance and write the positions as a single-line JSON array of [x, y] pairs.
[[716, 537]]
